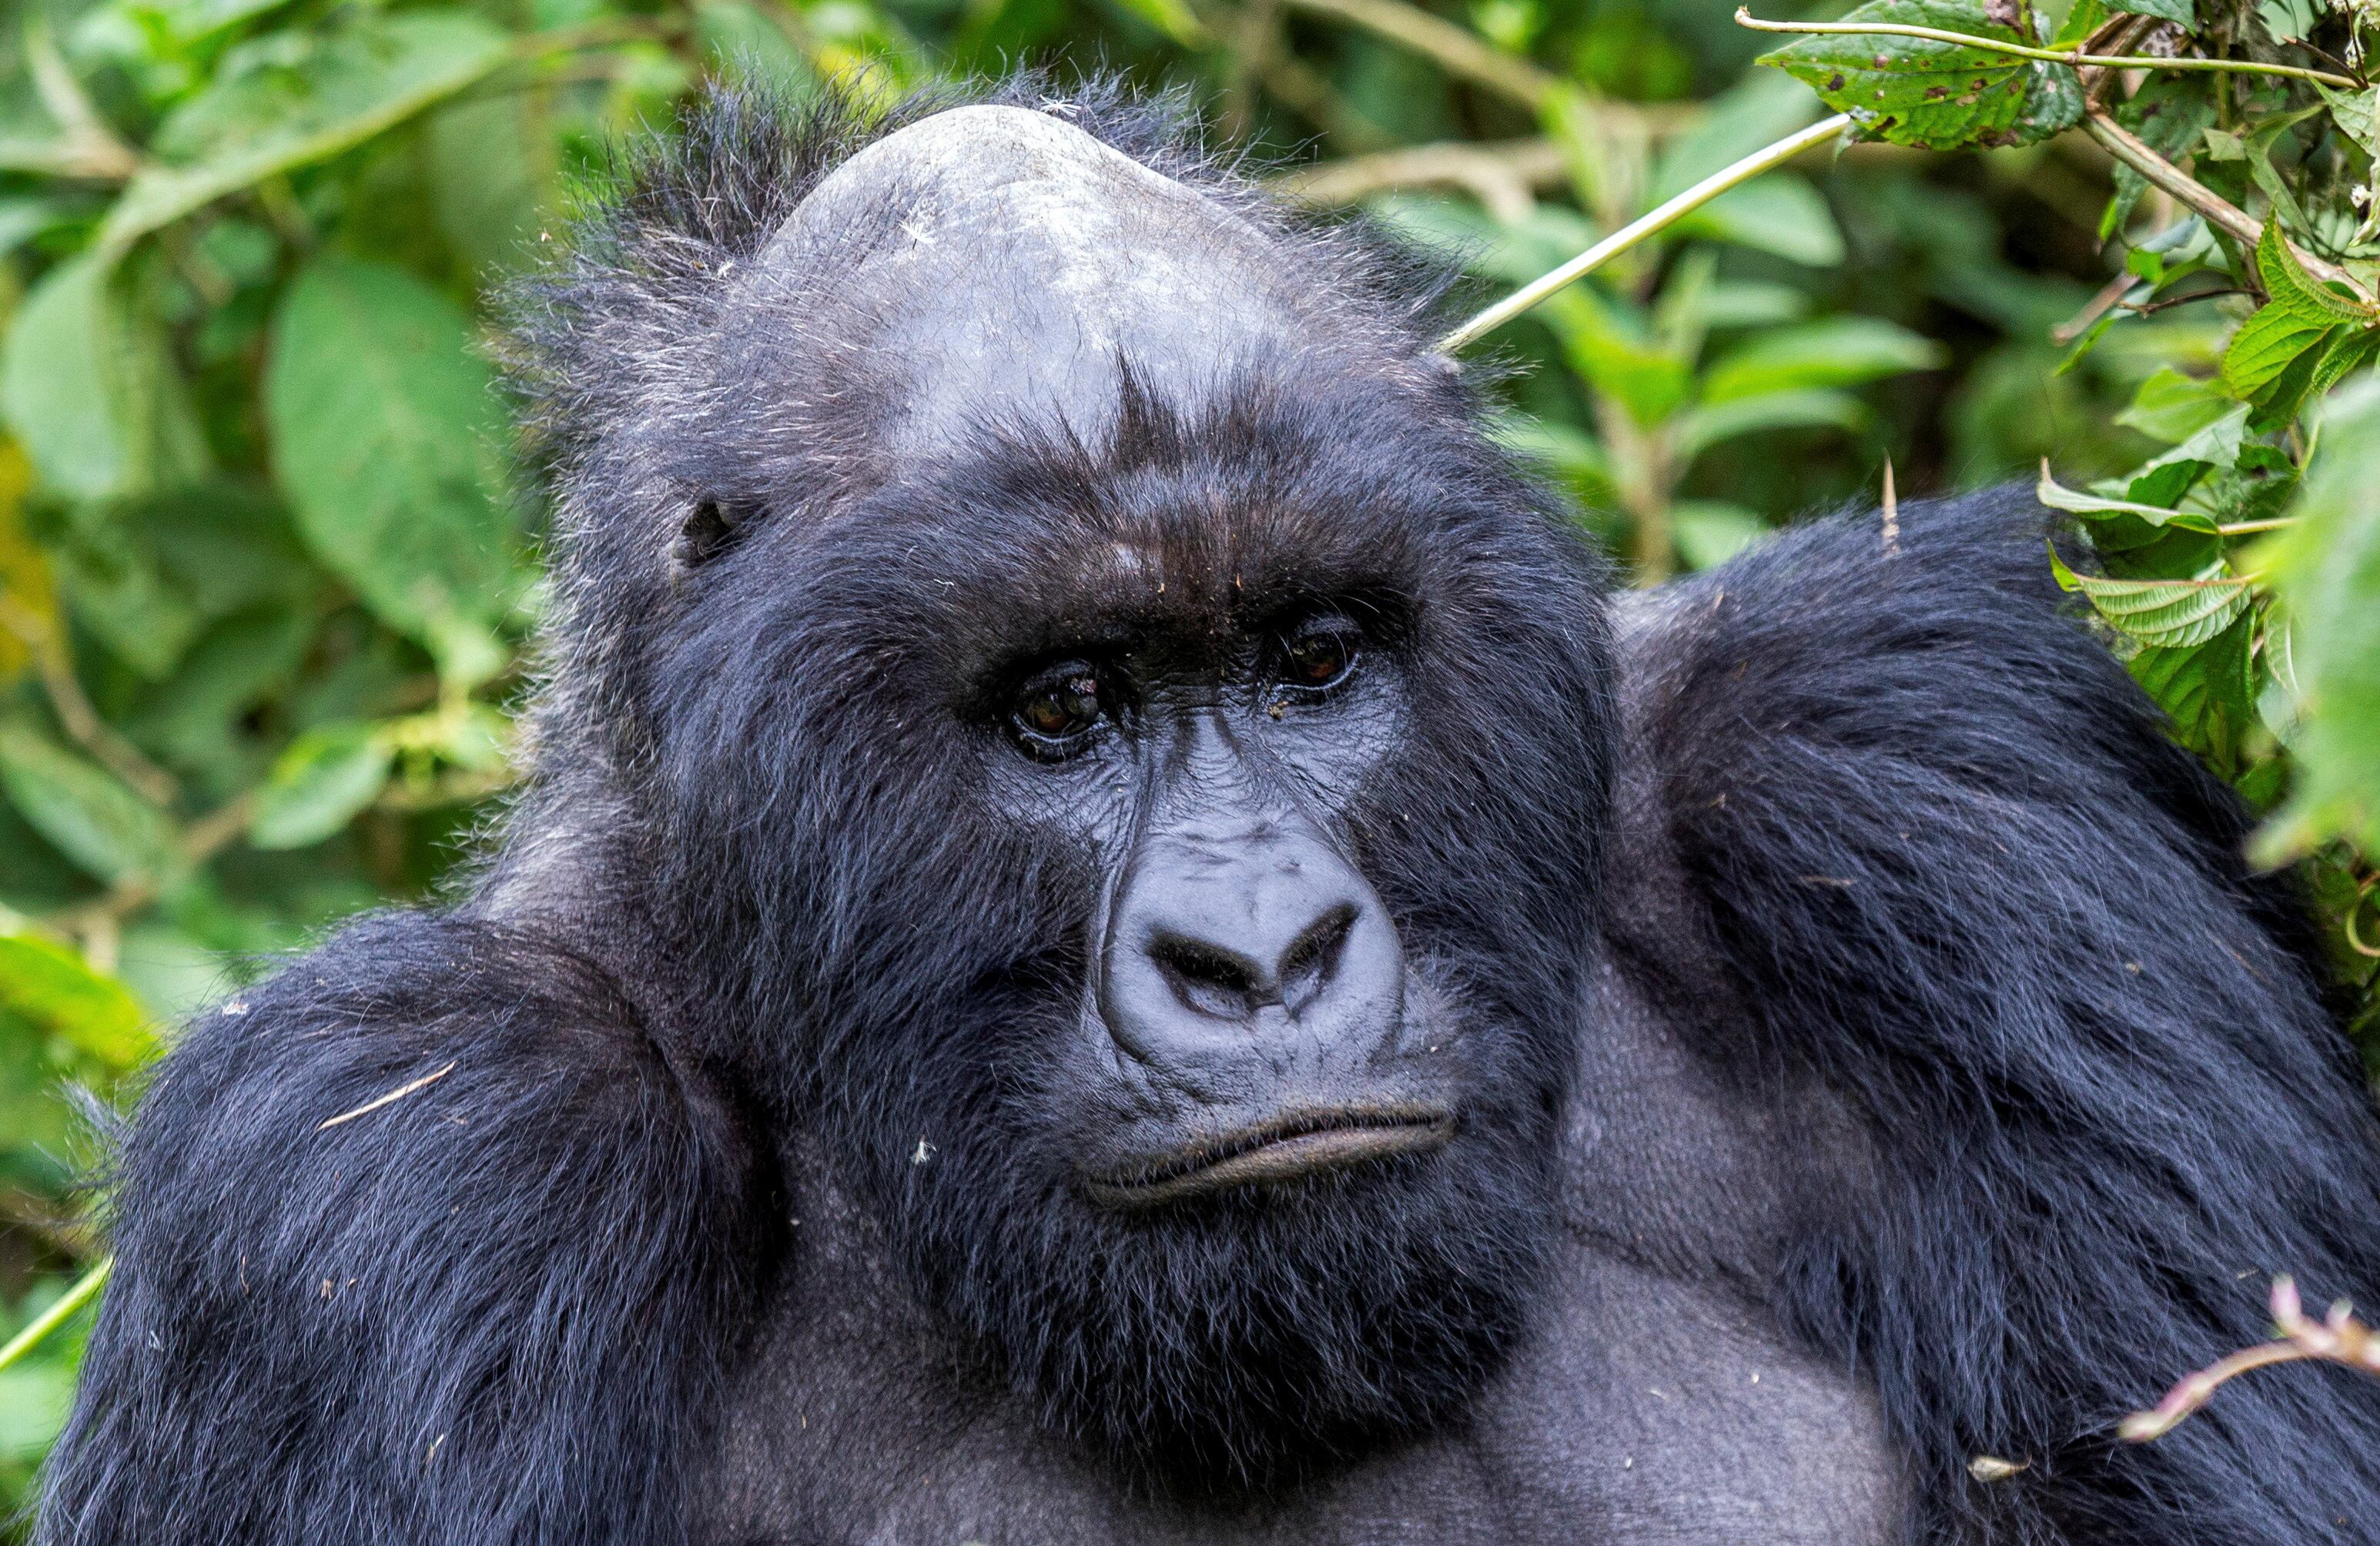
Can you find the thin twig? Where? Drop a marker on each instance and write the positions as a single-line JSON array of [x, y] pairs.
[[1459, 52], [91, 144], [1501, 177], [2098, 306], [57, 1314], [82, 723], [2074, 57], [2337, 1338], [1637, 230], [2150, 308]]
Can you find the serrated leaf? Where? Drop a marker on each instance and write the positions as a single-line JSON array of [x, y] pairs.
[[383, 421], [87, 813], [351, 84], [2204, 689], [2299, 292], [2169, 613], [1937, 95], [321, 782], [2267, 344], [2324, 572]]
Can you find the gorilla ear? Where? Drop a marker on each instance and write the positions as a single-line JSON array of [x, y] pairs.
[[710, 529]]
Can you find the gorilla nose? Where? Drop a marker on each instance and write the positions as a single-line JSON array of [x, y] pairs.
[[1218, 939]]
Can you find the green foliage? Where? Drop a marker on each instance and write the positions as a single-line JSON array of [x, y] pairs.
[[1934, 94], [263, 585]]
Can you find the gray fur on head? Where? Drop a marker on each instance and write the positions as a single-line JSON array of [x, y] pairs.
[[774, 312]]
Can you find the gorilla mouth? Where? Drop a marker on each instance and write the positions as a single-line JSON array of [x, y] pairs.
[[1287, 1148]]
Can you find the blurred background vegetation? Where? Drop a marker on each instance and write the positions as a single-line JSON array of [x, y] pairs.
[[265, 572]]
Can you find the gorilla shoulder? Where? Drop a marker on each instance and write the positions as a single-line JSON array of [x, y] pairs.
[[433, 1146], [1956, 871]]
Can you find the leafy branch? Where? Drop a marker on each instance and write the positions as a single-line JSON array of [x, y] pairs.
[[2073, 56]]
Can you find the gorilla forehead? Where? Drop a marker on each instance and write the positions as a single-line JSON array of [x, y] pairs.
[[1001, 263]]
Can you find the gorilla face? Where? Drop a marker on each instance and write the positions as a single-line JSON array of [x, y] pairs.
[[1148, 832]]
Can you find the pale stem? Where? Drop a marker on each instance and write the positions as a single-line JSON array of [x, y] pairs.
[[1668, 213]]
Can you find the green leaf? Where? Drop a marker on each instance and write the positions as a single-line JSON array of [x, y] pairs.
[[89, 390], [2082, 503], [1835, 351], [52, 986], [1937, 95], [2172, 407], [383, 421], [2169, 114], [1701, 428], [2267, 344], [2082, 18], [1172, 17], [2181, 13], [493, 175], [2297, 291], [2205, 689], [1708, 532], [2165, 612], [86, 812], [1608, 347], [327, 777], [2355, 113], [350, 85], [2325, 573]]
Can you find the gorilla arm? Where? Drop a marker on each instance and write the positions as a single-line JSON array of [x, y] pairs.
[[486, 1309], [1964, 879]]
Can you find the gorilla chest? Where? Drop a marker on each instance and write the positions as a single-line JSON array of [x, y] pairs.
[[1637, 1411]]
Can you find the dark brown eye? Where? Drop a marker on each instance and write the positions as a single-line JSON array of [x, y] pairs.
[[1057, 711], [1319, 655]]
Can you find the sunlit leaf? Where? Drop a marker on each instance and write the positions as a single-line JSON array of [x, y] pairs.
[[2326, 572], [350, 84], [52, 986], [2085, 502]]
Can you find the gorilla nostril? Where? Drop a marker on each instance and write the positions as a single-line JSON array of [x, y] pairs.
[[1312, 958], [1210, 981]]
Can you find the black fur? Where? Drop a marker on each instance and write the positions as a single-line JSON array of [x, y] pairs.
[[1963, 872], [762, 969]]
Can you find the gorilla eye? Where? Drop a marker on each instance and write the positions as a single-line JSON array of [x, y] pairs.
[[1057, 711], [1319, 655]]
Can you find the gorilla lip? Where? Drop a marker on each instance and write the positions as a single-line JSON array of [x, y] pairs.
[[1287, 1148]]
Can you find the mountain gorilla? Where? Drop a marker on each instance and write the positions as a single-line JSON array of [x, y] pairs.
[[1116, 937]]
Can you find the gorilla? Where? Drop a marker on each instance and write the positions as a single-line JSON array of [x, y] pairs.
[[1115, 935]]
